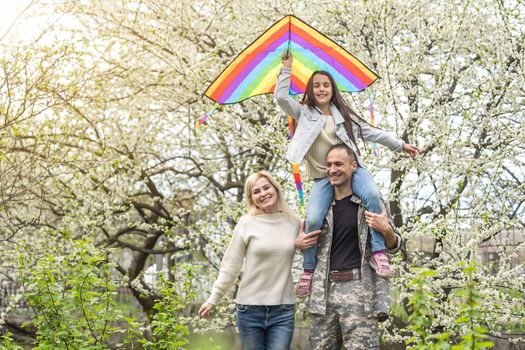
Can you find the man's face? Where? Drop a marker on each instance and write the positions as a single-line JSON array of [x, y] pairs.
[[339, 167]]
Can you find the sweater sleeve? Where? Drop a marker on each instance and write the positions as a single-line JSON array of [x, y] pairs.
[[282, 95], [231, 265], [380, 136]]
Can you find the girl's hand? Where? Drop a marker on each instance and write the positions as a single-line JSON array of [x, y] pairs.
[[411, 149], [205, 310], [287, 59]]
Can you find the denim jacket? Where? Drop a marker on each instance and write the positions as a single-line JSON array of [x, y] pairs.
[[310, 123], [375, 290]]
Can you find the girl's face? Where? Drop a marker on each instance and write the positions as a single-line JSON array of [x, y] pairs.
[[322, 89], [265, 196]]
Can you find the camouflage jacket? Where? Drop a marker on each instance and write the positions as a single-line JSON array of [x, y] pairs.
[[376, 290]]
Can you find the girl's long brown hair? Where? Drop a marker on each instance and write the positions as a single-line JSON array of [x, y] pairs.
[[338, 101]]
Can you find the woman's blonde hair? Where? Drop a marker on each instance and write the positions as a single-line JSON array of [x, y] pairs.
[[248, 187]]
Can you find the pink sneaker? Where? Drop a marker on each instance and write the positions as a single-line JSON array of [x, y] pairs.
[[303, 288], [379, 263]]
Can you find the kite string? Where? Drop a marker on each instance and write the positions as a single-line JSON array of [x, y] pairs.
[[372, 117]]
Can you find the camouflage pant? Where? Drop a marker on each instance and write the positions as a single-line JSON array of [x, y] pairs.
[[345, 325]]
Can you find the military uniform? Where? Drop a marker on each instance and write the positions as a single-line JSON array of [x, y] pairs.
[[344, 313]]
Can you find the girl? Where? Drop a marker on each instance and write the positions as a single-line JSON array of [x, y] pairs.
[[264, 240], [324, 119]]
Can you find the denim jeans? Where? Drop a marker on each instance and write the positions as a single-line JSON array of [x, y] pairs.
[[363, 186], [319, 202], [266, 327]]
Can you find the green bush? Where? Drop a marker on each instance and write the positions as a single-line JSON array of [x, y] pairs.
[[169, 325], [467, 331], [72, 295], [8, 343]]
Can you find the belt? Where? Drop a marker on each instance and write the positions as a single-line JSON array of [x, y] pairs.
[[345, 275]]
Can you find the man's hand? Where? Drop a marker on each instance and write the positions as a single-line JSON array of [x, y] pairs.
[[411, 149], [379, 222], [305, 241]]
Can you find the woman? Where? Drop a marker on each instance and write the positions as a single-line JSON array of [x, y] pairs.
[[264, 240]]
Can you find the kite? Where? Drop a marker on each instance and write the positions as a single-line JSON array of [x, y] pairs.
[[254, 71]]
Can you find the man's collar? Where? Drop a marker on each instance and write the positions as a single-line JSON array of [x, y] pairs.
[[353, 198]]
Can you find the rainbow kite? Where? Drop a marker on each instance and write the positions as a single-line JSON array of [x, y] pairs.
[[254, 71]]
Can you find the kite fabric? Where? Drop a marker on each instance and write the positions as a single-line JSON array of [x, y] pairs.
[[254, 71]]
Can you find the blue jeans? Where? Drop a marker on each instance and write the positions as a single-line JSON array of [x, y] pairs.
[[266, 327], [363, 186], [318, 203]]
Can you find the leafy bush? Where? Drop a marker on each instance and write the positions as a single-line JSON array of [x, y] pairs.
[[468, 330], [72, 296], [169, 325]]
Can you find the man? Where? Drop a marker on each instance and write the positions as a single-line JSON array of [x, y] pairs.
[[347, 299]]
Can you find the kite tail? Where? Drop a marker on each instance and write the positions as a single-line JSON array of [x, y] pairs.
[[202, 121], [291, 127], [372, 117], [299, 186], [295, 170]]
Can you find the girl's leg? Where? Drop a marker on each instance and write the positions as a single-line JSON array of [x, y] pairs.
[[318, 203], [364, 187]]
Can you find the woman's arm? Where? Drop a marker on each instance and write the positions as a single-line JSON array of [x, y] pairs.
[[282, 87], [231, 265]]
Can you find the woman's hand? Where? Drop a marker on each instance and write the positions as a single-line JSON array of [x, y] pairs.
[[287, 59], [411, 149], [305, 241], [205, 310]]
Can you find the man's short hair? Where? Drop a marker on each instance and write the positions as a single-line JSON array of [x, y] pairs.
[[349, 151]]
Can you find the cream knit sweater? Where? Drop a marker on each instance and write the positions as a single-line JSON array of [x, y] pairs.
[[266, 245]]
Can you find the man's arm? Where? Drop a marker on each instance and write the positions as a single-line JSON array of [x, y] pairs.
[[380, 223]]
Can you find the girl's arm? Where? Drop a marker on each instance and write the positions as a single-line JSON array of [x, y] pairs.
[[382, 137], [372, 134], [282, 87], [231, 265]]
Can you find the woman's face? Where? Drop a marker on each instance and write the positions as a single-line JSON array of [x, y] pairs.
[[322, 89], [265, 196]]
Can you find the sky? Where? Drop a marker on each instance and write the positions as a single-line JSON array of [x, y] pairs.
[[9, 11]]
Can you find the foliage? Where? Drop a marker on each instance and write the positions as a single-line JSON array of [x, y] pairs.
[[423, 302], [8, 343], [464, 304], [169, 325], [72, 295]]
